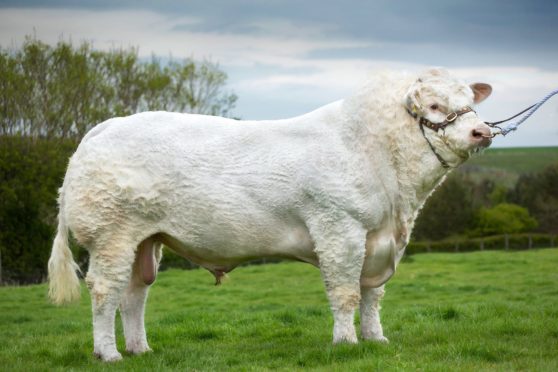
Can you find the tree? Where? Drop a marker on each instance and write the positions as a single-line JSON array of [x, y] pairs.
[[448, 211], [63, 91], [539, 193], [504, 218]]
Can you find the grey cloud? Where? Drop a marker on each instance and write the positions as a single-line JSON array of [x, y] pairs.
[[497, 32], [458, 56], [455, 22]]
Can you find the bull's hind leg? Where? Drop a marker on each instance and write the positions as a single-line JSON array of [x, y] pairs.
[[132, 304], [370, 325], [340, 251], [110, 266]]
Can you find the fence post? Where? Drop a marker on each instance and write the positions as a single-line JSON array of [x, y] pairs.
[[457, 246], [428, 248], [506, 242], [481, 244], [530, 242], [551, 241]]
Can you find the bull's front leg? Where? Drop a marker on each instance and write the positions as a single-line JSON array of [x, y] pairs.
[[340, 251], [370, 325]]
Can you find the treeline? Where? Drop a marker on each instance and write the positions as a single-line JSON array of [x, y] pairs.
[[467, 208], [63, 91]]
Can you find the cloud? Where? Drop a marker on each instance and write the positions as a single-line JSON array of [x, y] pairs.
[[479, 24], [284, 59], [160, 34]]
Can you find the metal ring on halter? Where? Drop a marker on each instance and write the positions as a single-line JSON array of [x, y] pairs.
[[451, 117]]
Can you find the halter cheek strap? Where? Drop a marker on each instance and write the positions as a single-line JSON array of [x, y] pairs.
[[438, 156], [424, 122]]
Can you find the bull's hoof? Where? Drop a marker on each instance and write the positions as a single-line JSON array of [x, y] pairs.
[[377, 338], [345, 340], [109, 357], [383, 340], [138, 349]]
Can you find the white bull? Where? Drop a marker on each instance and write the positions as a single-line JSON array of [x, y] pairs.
[[339, 188]]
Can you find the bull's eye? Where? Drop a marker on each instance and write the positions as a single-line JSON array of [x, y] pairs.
[[434, 107]]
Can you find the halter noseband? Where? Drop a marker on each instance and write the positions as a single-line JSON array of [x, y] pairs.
[[450, 118]]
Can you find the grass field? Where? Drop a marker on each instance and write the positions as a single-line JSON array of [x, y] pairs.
[[469, 311], [505, 165]]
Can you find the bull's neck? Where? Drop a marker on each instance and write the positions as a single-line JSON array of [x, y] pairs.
[[410, 160], [418, 170]]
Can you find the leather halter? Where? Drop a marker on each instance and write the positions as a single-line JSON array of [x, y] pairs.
[[450, 118]]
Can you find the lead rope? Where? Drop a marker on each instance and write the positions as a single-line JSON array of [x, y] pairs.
[[531, 109]]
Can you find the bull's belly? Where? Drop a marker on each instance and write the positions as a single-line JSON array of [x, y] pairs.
[[223, 255]]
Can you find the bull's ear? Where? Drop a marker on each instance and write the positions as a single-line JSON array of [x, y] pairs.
[[481, 91]]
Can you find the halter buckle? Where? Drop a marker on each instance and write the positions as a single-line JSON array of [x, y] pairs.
[[451, 117]]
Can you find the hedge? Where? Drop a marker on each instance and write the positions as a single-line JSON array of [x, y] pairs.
[[31, 171], [495, 242]]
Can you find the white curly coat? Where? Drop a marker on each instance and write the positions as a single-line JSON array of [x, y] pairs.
[[339, 188]]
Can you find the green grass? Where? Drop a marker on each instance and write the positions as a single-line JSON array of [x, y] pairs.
[[470, 311], [517, 159], [505, 165]]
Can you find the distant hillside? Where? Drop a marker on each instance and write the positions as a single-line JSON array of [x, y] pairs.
[[505, 165]]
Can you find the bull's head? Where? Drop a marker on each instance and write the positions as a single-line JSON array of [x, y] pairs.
[[441, 104]]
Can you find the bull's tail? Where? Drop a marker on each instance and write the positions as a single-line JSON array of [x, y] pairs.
[[64, 284]]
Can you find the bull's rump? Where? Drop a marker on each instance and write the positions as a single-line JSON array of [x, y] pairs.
[[224, 190]]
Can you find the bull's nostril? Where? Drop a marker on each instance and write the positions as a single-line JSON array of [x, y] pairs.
[[477, 134], [481, 136]]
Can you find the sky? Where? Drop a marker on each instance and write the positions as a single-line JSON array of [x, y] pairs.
[[285, 58]]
